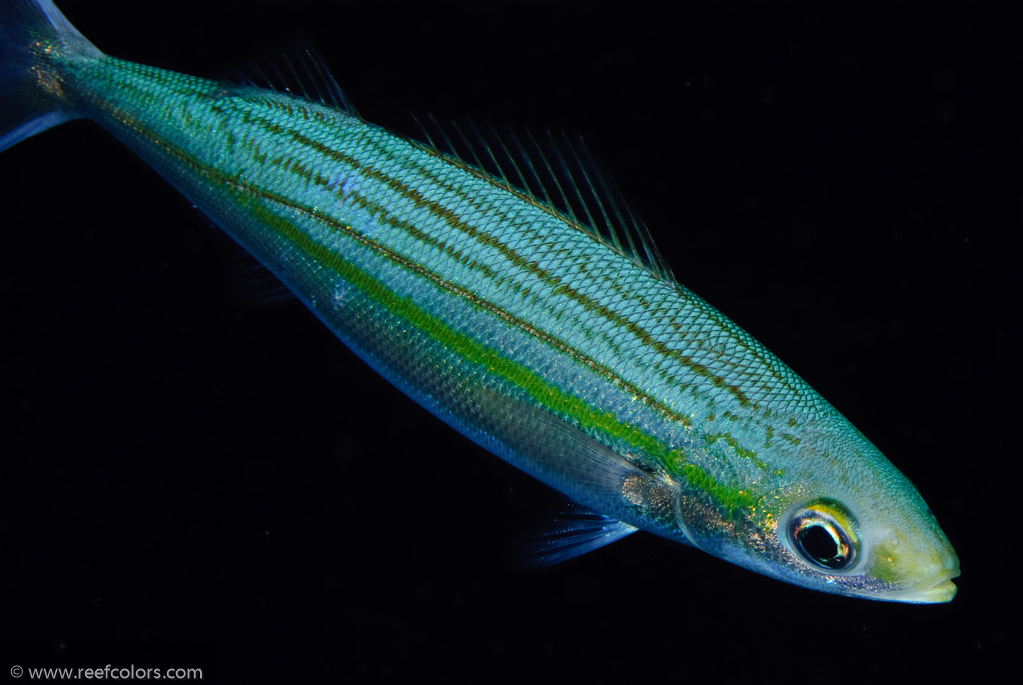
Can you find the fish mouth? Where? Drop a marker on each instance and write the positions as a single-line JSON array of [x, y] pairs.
[[939, 591]]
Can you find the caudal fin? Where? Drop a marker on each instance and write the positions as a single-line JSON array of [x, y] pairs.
[[34, 38]]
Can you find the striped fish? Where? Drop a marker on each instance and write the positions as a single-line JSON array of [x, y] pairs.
[[516, 299]]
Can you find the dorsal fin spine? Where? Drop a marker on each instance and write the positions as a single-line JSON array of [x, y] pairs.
[[490, 152], [471, 147], [425, 132], [285, 74], [297, 79], [532, 167], [511, 160], [592, 203], [557, 183], [600, 206], [444, 133], [614, 208], [575, 185]]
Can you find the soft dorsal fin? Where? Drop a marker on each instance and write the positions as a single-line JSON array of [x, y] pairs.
[[299, 71], [556, 174]]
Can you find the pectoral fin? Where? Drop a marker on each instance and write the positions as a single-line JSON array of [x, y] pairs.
[[561, 455], [575, 531], [608, 489]]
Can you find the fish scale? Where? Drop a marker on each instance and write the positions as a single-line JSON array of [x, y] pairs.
[[562, 350]]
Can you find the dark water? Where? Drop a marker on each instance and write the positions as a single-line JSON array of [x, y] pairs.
[[191, 480]]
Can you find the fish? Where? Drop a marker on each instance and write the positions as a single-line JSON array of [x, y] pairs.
[[508, 290]]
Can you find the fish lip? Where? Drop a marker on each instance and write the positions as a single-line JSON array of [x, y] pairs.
[[939, 591]]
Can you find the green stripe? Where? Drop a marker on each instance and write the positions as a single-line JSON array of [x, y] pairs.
[[330, 259], [486, 239], [481, 237], [544, 394], [381, 215]]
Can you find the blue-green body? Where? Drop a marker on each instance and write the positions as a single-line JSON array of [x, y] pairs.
[[556, 348]]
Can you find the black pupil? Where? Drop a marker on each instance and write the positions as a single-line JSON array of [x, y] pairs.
[[818, 544]]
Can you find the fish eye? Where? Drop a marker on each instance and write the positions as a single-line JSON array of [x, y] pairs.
[[818, 534]]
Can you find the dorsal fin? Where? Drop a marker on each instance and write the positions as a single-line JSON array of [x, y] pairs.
[[299, 71], [556, 174]]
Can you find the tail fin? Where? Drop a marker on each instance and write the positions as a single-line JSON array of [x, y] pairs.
[[34, 35]]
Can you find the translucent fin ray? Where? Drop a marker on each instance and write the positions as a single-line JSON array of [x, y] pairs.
[[555, 173], [300, 72], [574, 532]]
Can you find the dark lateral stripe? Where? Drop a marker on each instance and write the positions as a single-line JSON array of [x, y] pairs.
[[486, 239], [405, 263], [541, 391], [481, 237], [685, 295]]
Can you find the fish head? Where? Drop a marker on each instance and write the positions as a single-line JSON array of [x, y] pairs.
[[844, 521]]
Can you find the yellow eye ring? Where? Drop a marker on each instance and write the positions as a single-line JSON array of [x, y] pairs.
[[824, 534]]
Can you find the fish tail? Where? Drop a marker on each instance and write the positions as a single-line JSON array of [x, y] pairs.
[[35, 40]]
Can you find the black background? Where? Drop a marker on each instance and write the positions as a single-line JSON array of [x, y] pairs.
[[190, 478]]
